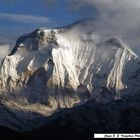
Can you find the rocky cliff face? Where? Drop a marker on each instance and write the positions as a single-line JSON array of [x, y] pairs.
[[52, 69]]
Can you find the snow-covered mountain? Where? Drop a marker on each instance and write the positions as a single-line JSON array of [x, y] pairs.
[[52, 69]]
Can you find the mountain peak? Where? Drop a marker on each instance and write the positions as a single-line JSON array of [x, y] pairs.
[[35, 40], [64, 67]]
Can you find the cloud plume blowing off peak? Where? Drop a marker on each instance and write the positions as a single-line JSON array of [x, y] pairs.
[[117, 17]]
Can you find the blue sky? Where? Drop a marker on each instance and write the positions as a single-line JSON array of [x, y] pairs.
[[21, 16]]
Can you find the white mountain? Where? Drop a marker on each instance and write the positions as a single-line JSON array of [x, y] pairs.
[[52, 69]]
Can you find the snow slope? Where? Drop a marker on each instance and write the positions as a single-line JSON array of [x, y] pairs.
[[52, 69]]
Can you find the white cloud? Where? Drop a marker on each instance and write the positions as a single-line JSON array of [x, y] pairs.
[[21, 18], [119, 17], [4, 51]]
